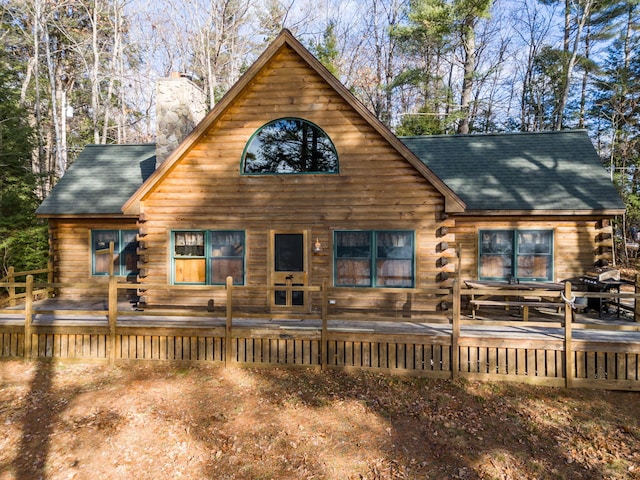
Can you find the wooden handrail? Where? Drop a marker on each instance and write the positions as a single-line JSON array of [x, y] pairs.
[[31, 272], [24, 274], [343, 311]]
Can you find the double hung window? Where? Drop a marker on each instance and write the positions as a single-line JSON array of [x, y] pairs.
[[516, 254], [374, 258], [208, 257], [125, 244]]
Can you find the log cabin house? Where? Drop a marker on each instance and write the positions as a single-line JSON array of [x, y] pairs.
[[290, 180]]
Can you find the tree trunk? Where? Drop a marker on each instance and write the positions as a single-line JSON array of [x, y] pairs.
[[469, 45], [94, 73], [60, 155], [568, 71]]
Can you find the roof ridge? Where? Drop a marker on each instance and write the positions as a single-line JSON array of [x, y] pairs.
[[496, 134]]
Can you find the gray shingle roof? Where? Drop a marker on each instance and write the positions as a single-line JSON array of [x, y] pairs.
[[515, 171], [101, 179], [520, 171]]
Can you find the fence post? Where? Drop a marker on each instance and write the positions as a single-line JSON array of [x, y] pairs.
[[28, 316], [227, 331], [568, 348], [12, 288], [112, 315], [455, 329], [636, 303], [325, 327]]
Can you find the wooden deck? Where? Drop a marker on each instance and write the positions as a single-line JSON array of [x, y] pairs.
[[497, 346], [563, 348]]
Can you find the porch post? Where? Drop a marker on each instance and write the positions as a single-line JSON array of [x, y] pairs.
[[568, 349], [636, 303], [112, 305], [50, 275], [325, 328], [227, 332], [112, 316], [28, 316], [455, 329]]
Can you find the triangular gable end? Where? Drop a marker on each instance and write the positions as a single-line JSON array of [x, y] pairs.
[[453, 203]]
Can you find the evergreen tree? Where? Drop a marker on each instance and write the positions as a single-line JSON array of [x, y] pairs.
[[23, 240], [617, 113], [327, 50], [436, 29]]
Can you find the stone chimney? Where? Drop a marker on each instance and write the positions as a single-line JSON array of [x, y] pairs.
[[180, 105]]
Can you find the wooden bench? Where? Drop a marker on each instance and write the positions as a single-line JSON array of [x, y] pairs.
[[475, 305]]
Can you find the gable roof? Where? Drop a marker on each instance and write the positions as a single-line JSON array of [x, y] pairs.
[[100, 181], [542, 172], [453, 203], [528, 173]]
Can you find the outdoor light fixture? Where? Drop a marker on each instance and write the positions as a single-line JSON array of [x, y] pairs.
[[317, 247]]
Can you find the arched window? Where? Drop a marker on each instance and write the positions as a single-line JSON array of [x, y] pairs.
[[289, 145]]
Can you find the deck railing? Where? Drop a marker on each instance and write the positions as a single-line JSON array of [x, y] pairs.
[[320, 340], [12, 286]]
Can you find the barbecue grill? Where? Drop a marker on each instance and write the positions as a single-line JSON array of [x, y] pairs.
[[602, 280]]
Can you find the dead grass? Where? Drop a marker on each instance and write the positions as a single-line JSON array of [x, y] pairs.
[[62, 421]]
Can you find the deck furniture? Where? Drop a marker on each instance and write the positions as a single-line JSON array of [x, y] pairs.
[[521, 295]]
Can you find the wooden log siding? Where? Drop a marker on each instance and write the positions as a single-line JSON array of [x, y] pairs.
[[376, 189], [576, 241], [70, 241]]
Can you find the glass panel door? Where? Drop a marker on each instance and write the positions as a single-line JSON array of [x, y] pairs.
[[289, 269]]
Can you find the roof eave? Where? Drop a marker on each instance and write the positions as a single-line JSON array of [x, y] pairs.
[[130, 216], [610, 212]]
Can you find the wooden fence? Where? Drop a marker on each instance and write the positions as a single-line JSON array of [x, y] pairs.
[[13, 295], [605, 356]]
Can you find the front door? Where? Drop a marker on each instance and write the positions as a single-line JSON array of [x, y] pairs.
[[288, 258]]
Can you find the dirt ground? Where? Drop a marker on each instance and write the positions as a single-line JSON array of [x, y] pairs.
[[79, 421]]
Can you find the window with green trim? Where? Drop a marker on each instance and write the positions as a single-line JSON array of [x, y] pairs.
[[125, 245], [208, 257], [516, 254], [289, 146], [374, 258]]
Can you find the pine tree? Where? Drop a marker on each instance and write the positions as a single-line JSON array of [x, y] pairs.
[[435, 27], [23, 240], [327, 50]]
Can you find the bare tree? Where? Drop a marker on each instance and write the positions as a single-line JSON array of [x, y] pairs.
[[575, 20], [532, 25], [370, 57]]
